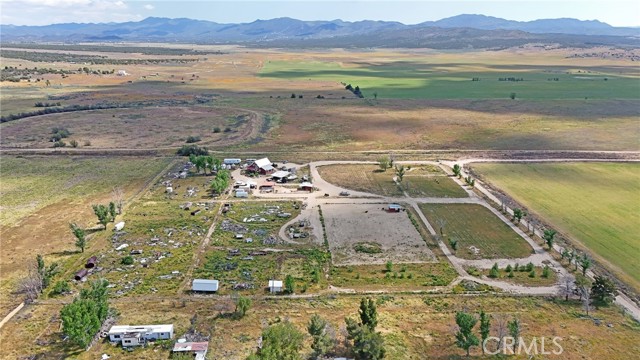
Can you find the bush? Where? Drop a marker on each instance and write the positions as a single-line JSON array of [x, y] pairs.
[[73, 143], [216, 129], [227, 129], [59, 143], [529, 267], [532, 274], [87, 143], [127, 260], [511, 274], [193, 139], [61, 287], [546, 272], [508, 268], [188, 150]]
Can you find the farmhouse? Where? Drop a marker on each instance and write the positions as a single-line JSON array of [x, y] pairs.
[[275, 286], [129, 335], [197, 349], [204, 285], [262, 166]]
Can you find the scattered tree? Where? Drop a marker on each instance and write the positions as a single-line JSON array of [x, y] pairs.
[[494, 273], [368, 313], [117, 193], [400, 171], [79, 233], [289, 284], [389, 266], [548, 237], [322, 340], [465, 338], [102, 212], [281, 341], [518, 214], [457, 170], [112, 211], [514, 332], [546, 271], [485, 327], [512, 96], [82, 318], [384, 163], [603, 291], [567, 287], [367, 343], [242, 306], [585, 264]]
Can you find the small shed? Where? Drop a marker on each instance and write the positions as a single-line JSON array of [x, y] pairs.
[[394, 208], [305, 186], [81, 274], [275, 286], [91, 262], [204, 285], [242, 194], [197, 349]]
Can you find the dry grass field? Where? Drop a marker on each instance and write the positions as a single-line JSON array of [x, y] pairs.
[[365, 178], [412, 326], [40, 196], [476, 226], [348, 226]]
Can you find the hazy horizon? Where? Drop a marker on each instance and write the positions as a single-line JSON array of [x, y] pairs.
[[620, 13]]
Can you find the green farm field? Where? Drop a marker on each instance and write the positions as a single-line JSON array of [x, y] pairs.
[[597, 204], [424, 79], [475, 225]]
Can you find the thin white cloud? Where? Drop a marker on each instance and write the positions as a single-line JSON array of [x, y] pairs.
[[42, 12], [149, 7]]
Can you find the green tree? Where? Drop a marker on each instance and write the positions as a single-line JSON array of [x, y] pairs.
[[102, 212], [384, 163], [367, 343], [485, 327], [112, 211], [46, 273], [281, 341], [80, 235], [549, 237], [400, 171], [546, 271], [585, 264], [454, 244], [289, 284], [389, 266], [518, 214], [322, 341], [603, 291], [457, 170], [82, 318], [368, 313], [465, 338], [494, 272], [514, 331], [242, 306]]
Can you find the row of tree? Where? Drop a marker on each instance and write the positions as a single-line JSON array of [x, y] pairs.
[[220, 183], [205, 162]]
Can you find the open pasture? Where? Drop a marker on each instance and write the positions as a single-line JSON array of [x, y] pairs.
[[438, 185], [402, 277], [365, 234], [595, 204], [365, 178], [441, 79], [480, 234]]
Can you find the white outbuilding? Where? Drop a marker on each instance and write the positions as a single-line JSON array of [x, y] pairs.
[[204, 285]]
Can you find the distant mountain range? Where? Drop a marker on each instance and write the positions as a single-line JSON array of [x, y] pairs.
[[462, 30]]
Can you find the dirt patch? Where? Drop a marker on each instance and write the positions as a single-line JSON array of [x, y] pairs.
[[349, 226]]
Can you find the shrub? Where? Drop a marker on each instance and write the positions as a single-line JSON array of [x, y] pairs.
[[508, 268], [193, 139], [216, 129], [73, 143], [87, 143], [546, 272], [127, 260], [61, 287], [529, 267], [187, 150], [532, 274], [511, 274], [227, 129], [59, 143]]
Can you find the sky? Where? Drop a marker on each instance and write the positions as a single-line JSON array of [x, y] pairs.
[[44, 12]]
